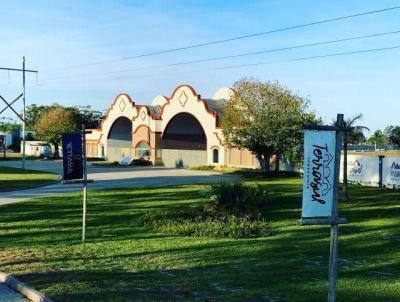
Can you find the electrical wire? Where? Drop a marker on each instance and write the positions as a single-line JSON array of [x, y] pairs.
[[234, 56], [227, 40]]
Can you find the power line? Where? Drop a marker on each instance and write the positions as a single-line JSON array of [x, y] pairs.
[[228, 39], [237, 55], [256, 64]]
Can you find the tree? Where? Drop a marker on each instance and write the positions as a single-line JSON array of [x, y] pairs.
[[82, 115], [8, 124], [377, 138], [392, 134], [86, 115], [53, 123], [34, 112], [354, 136], [266, 118]]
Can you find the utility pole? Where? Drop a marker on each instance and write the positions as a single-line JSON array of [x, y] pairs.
[[23, 95], [23, 113]]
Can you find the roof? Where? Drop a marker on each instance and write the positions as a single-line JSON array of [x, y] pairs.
[[217, 106], [155, 111]]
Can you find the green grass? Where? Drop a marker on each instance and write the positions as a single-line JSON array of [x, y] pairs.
[[121, 261], [14, 178], [16, 156]]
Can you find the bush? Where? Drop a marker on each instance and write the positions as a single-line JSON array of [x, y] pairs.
[[228, 226], [203, 168], [238, 199]]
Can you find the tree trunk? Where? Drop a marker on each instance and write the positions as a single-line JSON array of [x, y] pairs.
[[56, 154], [277, 163], [345, 192], [264, 158]]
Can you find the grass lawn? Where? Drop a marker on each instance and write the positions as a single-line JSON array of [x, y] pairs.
[[14, 178], [40, 243]]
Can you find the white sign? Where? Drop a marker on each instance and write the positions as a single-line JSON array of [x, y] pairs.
[[362, 169], [126, 161], [319, 173], [391, 172]]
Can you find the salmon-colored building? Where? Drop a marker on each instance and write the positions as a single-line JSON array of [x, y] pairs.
[[182, 130]]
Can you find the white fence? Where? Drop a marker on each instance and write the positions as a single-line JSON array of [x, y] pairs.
[[364, 170]]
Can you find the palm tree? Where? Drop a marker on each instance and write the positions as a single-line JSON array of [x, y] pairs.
[[355, 135]]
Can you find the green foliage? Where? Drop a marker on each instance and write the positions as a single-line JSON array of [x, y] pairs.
[[86, 115], [238, 199], [266, 118], [53, 123], [8, 124], [356, 134], [203, 168], [227, 226], [377, 138], [393, 135], [82, 115]]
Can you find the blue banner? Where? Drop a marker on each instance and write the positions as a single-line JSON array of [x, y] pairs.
[[72, 156]]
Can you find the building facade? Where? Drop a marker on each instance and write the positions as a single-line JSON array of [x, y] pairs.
[[182, 130]]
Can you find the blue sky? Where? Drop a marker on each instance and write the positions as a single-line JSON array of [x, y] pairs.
[[53, 34]]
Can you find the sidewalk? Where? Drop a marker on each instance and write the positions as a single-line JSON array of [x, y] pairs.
[[8, 295]]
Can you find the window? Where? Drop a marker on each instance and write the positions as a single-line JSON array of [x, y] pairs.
[[143, 149], [215, 156], [102, 150]]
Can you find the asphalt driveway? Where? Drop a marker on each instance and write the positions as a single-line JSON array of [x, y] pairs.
[[110, 177]]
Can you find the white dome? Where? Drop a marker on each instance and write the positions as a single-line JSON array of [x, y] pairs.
[[159, 100], [223, 93]]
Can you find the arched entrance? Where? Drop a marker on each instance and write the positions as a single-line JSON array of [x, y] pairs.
[[184, 142], [119, 139]]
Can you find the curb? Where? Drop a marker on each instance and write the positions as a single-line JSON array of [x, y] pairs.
[[59, 179], [23, 289]]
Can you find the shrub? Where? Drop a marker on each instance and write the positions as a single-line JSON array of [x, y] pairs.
[[203, 168], [238, 199], [228, 226]]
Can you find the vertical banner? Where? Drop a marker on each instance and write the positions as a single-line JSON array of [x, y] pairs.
[[319, 173], [72, 156]]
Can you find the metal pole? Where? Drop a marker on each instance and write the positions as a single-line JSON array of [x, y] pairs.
[[84, 183], [345, 190], [381, 157], [23, 113], [333, 255]]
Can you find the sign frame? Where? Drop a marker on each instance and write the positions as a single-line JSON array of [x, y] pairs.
[[334, 219]]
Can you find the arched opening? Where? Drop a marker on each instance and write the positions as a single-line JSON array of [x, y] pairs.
[[215, 156], [143, 150], [119, 139], [184, 142]]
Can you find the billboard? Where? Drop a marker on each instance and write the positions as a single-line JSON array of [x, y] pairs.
[[72, 156], [362, 169], [391, 172], [319, 173]]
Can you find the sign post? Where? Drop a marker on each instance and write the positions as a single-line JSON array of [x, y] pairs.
[[74, 164], [322, 151], [84, 184]]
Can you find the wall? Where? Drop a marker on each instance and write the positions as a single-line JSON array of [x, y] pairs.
[[183, 158]]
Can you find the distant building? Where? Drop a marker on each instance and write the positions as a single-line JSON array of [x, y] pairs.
[[8, 138], [37, 148], [182, 130]]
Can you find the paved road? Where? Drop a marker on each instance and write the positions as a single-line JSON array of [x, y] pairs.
[[8, 295], [110, 177]]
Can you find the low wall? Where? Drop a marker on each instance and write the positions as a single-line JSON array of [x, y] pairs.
[[183, 158]]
